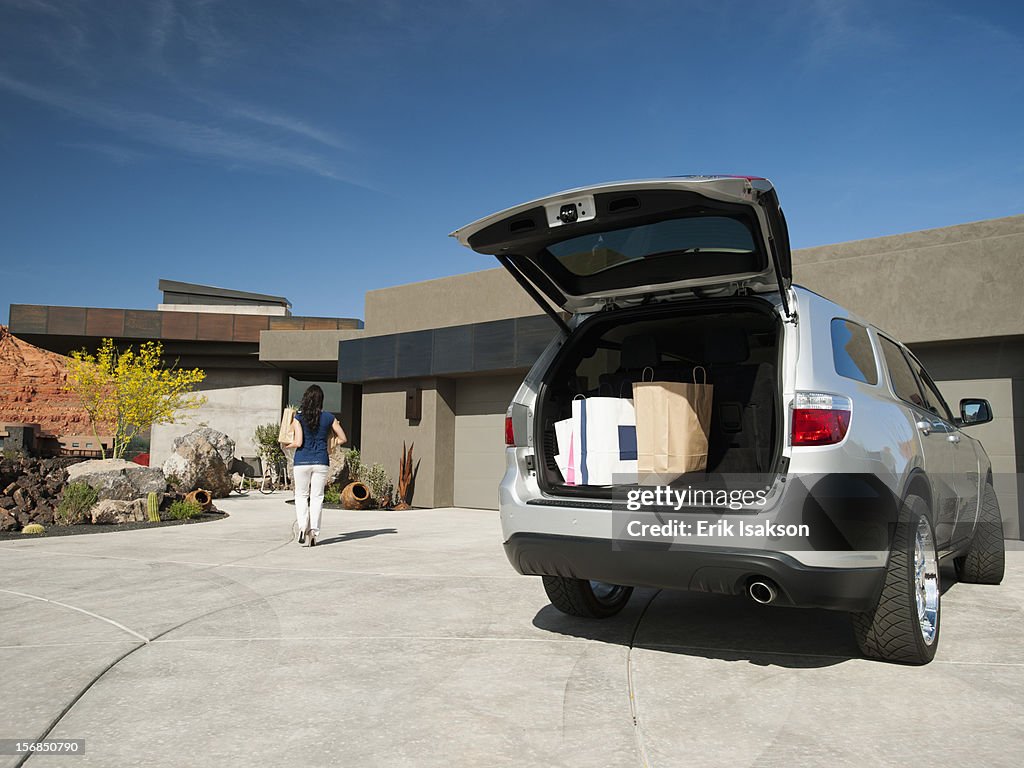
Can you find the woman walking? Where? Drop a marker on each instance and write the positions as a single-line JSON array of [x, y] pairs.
[[312, 428]]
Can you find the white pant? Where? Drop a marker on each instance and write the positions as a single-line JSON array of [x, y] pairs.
[[310, 480]]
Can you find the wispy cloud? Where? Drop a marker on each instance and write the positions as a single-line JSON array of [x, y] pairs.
[[207, 141], [34, 6], [119, 154], [838, 28]]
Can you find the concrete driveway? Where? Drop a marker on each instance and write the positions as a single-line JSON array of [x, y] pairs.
[[407, 640]]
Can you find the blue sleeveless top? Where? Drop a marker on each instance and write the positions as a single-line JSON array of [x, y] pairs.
[[314, 444]]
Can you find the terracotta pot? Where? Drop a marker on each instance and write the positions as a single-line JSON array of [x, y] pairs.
[[355, 496], [203, 498]]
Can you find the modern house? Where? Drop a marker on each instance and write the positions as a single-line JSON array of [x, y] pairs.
[[437, 362]]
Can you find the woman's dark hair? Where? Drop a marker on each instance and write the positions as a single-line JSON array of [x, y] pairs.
[[312, 406]]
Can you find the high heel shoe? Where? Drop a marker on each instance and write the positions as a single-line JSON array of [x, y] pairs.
[[302, 537], [312, 540]]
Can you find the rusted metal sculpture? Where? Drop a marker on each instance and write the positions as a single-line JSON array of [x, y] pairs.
[[405, 473]]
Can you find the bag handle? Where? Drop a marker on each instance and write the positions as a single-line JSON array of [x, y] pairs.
[[643, 376], [702, 370]]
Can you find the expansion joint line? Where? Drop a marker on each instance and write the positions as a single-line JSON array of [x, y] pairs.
[[634, 709]]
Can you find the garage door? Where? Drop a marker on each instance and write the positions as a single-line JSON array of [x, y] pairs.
[[480, 406]]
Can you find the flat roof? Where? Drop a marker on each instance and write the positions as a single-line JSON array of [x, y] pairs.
[[194, 289]]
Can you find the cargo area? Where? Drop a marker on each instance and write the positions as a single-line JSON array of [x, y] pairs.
[[736, 341]]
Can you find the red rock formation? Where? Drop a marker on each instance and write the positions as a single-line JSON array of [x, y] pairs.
[[32, 389]]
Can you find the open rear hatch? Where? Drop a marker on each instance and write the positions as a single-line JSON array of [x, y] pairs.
[[630, 242], [644, 248]]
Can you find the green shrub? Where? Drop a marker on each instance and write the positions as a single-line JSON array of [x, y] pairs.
[[381, 487], [354, 463], [267, 446], [34, 528], [332, 494], [75, 504], [184, 510]]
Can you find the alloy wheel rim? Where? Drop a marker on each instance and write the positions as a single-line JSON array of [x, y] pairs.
[[926, 581], [605, 592]]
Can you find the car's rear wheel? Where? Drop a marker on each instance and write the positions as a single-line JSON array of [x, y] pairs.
[[904, 625], [985, 561], [590, 599]]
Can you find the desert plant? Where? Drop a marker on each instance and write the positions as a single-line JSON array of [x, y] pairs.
[[131, 390], [153, 507], [12, 453], [33, 528], [332, 494], [267, 447], [75, 503], [381, 487], [184, 510], [354, 464]]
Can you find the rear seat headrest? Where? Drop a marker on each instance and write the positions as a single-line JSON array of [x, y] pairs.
[[638, 352], [726, 346]]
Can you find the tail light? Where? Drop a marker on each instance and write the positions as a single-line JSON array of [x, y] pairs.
[[820, 419], [510, 436]]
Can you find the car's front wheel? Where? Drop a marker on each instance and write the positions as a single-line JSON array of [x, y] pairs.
[[904, 625], [581, 597]]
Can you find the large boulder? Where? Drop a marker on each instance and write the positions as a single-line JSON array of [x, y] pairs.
[[117, 479], [202, 459]]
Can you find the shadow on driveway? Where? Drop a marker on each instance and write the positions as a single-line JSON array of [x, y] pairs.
[[730, 628], [353, 535]]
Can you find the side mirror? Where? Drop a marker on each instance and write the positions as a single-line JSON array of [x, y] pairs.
[[974, 410]]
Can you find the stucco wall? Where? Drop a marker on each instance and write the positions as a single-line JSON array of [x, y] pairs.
[[475, 297], [237, 401], [958, 282], [384, 427]]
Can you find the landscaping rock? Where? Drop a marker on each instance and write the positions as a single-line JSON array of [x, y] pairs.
[[116, 511], [31, 490], [202, 459], [8, 522], [118, 479], [223, 444]]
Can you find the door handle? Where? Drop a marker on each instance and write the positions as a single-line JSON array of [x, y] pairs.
[[954, 438], [925, 427]]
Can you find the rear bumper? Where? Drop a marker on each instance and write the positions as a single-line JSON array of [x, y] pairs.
[[698, 569]]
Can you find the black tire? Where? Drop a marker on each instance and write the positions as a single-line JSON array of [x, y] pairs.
[[985, 561], [893, 631], [579, 597]]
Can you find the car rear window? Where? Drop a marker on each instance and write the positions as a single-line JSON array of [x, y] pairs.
[[852, 353], [599, 251]]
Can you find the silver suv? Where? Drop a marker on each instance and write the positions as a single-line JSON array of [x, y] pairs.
[[846, 476]]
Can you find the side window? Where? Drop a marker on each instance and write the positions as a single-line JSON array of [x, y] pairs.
[[904, 384], [852, 353], [932, 396]]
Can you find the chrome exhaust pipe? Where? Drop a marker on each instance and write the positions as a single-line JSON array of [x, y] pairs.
[[763, 592]]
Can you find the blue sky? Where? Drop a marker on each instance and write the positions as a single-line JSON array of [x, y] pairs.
[[320, 149]]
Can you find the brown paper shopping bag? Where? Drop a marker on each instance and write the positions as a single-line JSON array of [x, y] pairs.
[[673, 420], [287, 431]]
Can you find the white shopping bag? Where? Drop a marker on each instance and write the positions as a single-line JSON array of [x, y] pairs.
[[566, 460], [604, 440]]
